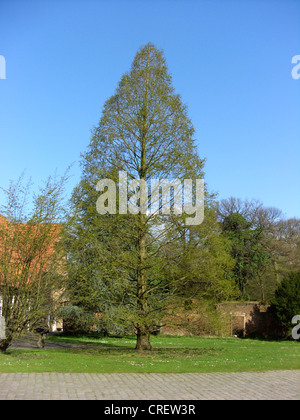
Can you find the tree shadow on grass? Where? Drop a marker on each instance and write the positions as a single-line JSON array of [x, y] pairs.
[[107, 346], [29, 341]]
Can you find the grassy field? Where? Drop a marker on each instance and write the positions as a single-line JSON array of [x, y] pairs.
[[170, 354]]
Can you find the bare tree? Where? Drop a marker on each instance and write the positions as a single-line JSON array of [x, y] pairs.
[[31, 264]]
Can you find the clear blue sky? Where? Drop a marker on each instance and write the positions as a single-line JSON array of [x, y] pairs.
[[230, 61]]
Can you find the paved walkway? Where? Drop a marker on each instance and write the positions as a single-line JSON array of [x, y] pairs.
[[270, 385]]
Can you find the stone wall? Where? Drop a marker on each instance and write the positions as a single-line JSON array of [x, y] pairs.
[[243, 319], [249, 319]]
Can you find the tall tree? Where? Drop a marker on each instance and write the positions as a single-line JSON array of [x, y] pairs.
[[144, 131]]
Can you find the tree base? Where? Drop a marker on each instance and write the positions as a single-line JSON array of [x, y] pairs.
[[4, 344], [143, 341]]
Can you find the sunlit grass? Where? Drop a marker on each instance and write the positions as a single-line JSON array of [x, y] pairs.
[[170, 354]]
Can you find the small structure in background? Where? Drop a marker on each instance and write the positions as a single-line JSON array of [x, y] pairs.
[[238, 324], [249, 319]]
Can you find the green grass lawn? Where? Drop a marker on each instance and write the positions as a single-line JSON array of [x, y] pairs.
[[170, 354]]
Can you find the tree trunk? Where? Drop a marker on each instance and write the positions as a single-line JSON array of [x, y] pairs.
[[41, 341], [143, 339], [143, 331], [4, 344]]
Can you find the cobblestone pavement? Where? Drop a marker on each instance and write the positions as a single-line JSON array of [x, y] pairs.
[[271, 385]]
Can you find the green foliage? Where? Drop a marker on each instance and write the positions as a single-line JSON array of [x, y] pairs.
[[203, 268], [251, 258], [286, 302]]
